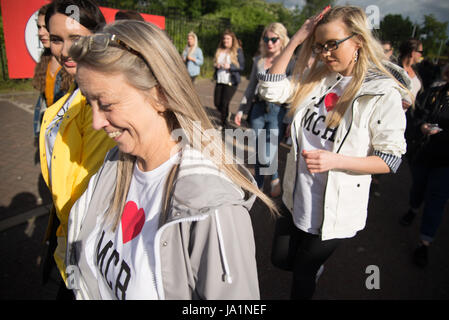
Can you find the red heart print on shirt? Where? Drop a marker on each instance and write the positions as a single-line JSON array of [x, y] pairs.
[[330, 101], [133, 220]]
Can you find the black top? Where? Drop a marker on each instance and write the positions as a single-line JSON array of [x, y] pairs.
[[432, 107]]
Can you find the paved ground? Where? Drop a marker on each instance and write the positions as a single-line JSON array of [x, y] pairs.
[[383, 243]]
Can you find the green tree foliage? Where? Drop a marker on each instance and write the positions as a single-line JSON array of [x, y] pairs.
[[435, 35], [396, 29], [249, 17], [312, 7], [3, 67], [247, 14], [1, 29]]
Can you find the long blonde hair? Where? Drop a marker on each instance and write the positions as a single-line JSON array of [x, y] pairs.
[[190, 50], [151, 60], [234, 49], [370, 55]]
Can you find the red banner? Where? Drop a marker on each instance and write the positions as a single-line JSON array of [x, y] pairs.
[[23, 47]]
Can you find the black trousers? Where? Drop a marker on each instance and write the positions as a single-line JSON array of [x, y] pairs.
[[223, 94], [310, 252]]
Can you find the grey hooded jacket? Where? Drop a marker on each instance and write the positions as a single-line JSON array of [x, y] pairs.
[[204, 247]]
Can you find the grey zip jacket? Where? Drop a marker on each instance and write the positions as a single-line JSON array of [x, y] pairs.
[[204, 246]]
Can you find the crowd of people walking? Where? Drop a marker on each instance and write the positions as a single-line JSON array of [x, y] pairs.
[[140, 214]]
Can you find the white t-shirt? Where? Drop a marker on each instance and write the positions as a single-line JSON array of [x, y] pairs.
[[123, 261], [53, 128], [416, 85], [223, 76], [308, 198]]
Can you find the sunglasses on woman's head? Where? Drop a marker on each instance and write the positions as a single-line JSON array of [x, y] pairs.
[[273, 40], [100, 41]]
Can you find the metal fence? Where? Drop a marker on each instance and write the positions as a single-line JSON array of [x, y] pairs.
[[177, 27], [209, 32]]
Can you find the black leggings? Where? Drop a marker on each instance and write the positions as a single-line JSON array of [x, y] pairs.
[[311, 253], [223, 94]]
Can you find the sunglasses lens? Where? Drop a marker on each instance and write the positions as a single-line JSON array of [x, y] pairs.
[[99, 42], [273, 40], [330, 45]]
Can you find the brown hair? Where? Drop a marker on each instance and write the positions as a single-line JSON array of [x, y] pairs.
[[40, 70], [40, 74], [234, 48], [128, 15], [407, 47]]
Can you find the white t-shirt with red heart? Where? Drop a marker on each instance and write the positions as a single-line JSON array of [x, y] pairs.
[[123, 261], [309, 189]]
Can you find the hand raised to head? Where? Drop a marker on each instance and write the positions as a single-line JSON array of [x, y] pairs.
[[308, 27]]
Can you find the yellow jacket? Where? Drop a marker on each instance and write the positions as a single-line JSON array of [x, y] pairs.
[[78, 153]]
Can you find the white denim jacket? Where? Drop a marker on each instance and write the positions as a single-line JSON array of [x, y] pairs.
[[374, 124]]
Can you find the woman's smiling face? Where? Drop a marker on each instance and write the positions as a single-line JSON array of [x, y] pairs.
[[129, 116]]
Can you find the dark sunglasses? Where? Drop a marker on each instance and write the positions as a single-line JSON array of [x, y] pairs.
[[273, 40], [330, 45], [422, 52]]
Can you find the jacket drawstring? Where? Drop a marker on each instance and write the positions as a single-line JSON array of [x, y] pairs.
[[227, 275]]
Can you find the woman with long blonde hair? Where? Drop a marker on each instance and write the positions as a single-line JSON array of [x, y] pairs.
[[166, 216], [348, 123], [193, 56], [229, 62], [266, 118]]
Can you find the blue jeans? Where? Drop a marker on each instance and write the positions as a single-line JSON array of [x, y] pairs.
[[430, 186], [268, 116]]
